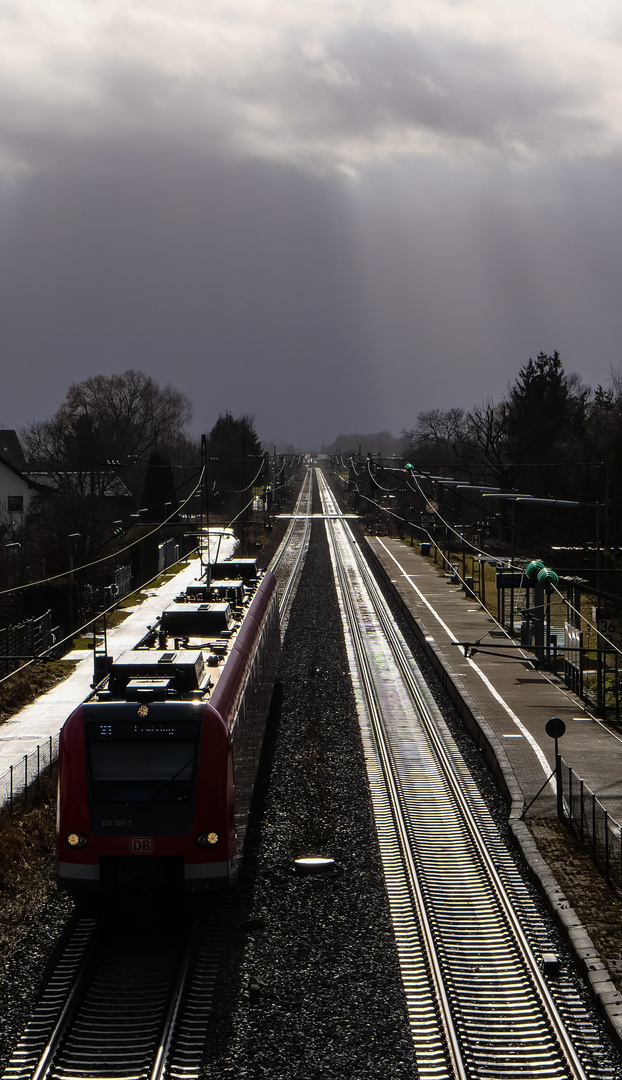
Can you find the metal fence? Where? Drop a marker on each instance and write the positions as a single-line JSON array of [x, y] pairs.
[[24, 640], [24, 778], [122, 581], [599, 832], [168, 553]]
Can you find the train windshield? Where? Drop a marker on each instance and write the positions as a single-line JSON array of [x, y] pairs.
[[135, 764]]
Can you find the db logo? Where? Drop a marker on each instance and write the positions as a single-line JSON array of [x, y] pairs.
[[141, 845]]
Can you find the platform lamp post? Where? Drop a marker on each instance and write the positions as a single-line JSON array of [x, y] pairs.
[[14, 547], [118, 530], [204, 513], [73, 540], [167, 513]]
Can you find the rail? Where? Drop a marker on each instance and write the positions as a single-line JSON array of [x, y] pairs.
[[494, 959]]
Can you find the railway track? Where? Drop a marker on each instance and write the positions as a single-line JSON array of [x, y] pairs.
[[471, 941], [131, 997], [289, 559]]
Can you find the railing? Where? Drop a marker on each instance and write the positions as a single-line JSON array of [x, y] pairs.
[[22, 779], [168, 553], [122, 581], [24, 640], [101, 597], [599, 832]]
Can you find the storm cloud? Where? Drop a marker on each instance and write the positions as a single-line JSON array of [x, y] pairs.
[[330, 218]]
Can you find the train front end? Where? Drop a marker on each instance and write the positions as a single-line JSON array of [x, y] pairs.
[[156, 771], [145, 799]]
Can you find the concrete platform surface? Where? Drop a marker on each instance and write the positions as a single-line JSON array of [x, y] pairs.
[[38, 723], [504, 691]]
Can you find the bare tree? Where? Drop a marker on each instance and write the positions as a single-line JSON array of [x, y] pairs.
[[488, 438], [438, 438], [118, 418], [105, 424]]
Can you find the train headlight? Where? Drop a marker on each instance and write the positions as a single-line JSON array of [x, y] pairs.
[[207, 839], [76, 839]]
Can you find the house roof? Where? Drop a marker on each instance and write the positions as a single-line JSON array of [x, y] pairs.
[[11, 450], [112, 486], [12, 468]]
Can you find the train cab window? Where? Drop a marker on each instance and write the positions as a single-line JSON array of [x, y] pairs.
[[146, 764], [142, 772]]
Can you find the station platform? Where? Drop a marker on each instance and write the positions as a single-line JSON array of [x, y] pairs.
[[38, 724], [501, 690]]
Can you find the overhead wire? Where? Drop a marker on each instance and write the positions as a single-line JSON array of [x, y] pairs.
[[115, 554], [480, 551], [240, 491], [375, 479], [77, 632], [80, 630]]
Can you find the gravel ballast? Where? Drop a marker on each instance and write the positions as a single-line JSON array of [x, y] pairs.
[[311, 987]]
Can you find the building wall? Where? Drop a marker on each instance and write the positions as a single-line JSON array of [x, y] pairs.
[[12, 488]]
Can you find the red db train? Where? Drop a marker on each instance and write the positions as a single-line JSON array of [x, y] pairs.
[[157, 769]]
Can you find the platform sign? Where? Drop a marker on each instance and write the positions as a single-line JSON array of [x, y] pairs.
[[508, 579], [608, 628], [555, 727]]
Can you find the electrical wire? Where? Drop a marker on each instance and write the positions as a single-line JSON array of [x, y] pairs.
[[80, 630], [250, 503], [375, 479], [112, 607], [487, 555], [105, 558], [240, 491]]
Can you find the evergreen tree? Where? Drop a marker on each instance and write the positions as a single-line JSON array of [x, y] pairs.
[[235, 453], [159, 494], [544, 413]]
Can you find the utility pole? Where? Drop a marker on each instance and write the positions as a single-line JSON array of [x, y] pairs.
[[204, 523]]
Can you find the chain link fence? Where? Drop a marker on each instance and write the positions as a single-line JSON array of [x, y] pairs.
[[27, 639], [22, 780], [168, 553], [598, 831]]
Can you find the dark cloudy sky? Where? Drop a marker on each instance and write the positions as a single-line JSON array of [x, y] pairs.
[[330, 215]]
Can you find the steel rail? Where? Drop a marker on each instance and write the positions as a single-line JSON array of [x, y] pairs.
[[37, 1053], [405, 664], [437, 988], [74, 1046], [298, 544], [31, 1059], [160, 1066]]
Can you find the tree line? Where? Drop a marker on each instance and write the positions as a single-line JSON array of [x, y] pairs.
[[118, 445], [550, 436]]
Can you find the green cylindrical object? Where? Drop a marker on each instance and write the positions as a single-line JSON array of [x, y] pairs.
[[533, 569], [547, 578]]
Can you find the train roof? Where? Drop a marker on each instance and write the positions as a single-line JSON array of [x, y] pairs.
[[183, 654]]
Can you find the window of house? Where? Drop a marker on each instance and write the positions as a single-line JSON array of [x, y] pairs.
[[15, 503]]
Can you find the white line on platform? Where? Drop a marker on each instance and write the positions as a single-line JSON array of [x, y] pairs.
[[493, 690]]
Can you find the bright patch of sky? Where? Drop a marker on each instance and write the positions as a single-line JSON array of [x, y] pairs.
[[324, 85], [406, 199]]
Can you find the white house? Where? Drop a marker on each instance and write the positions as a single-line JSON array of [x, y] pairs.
[[16, 491]]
